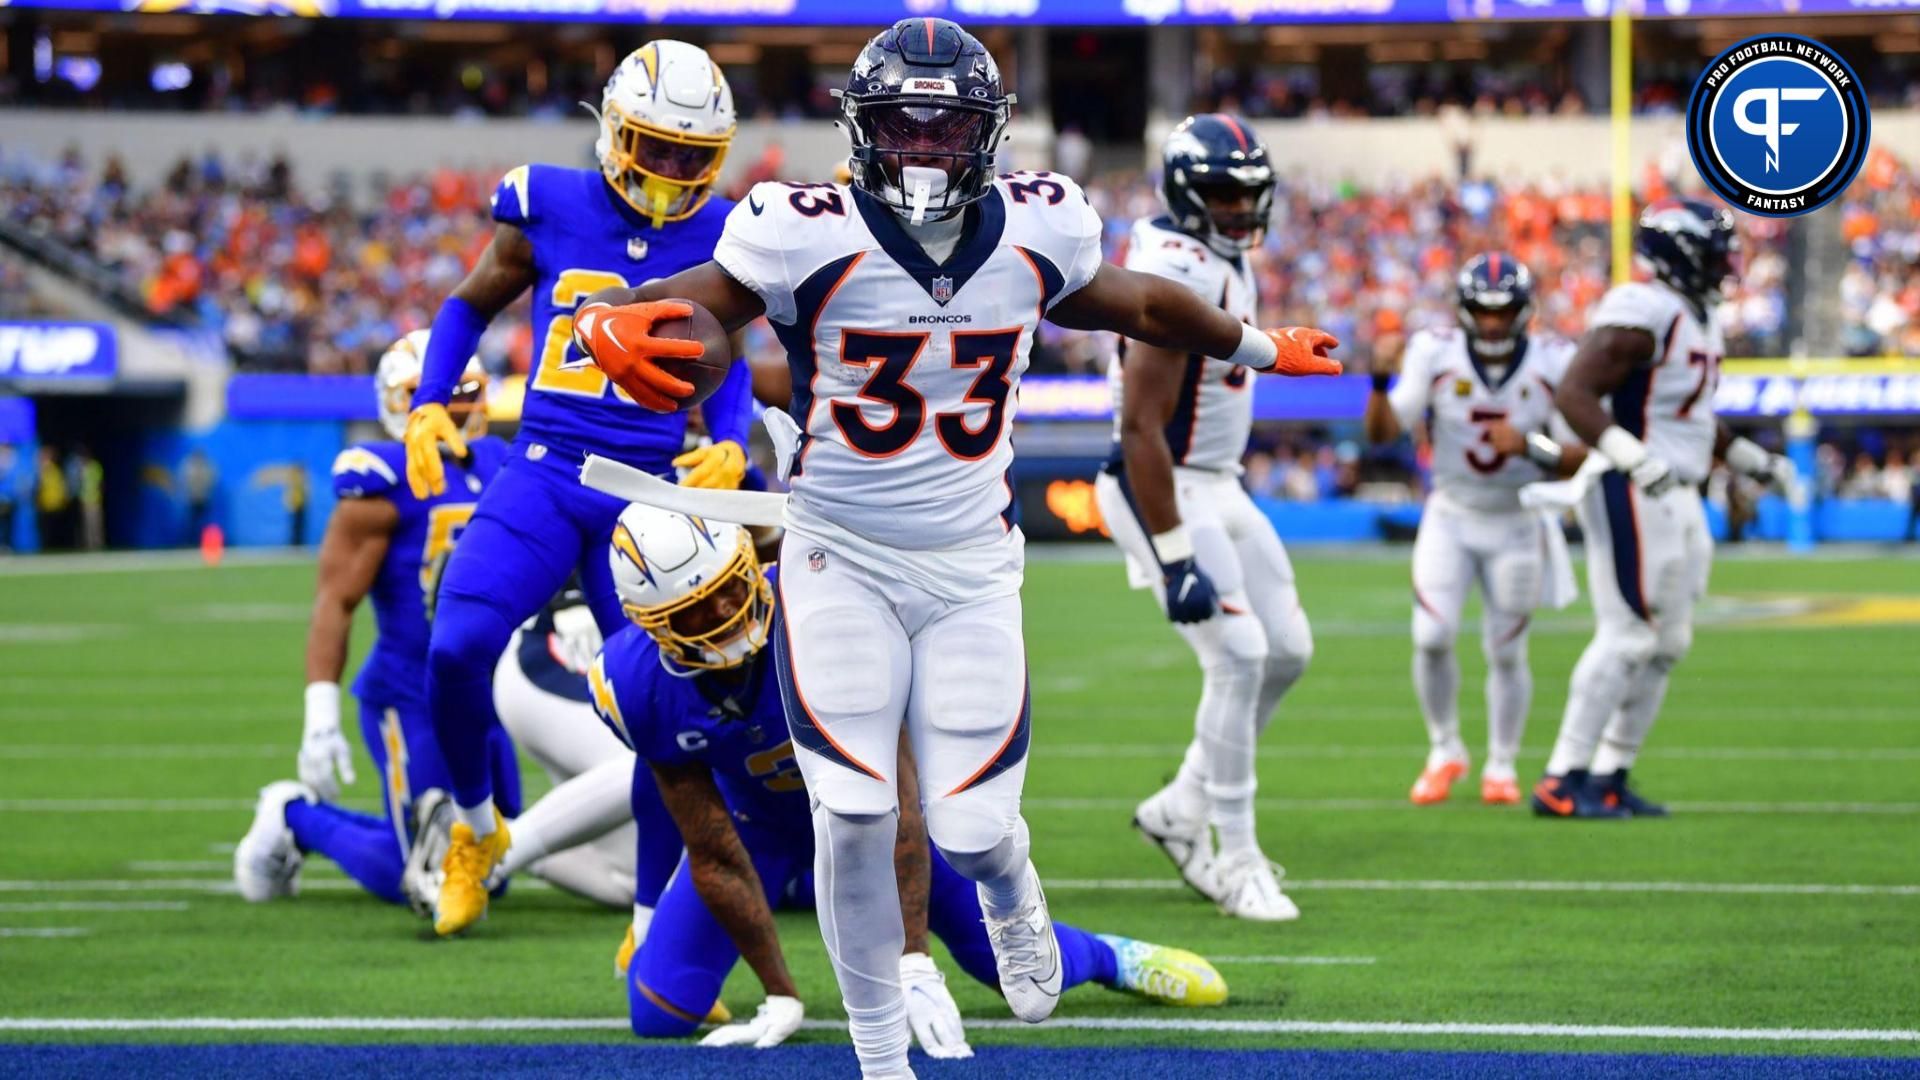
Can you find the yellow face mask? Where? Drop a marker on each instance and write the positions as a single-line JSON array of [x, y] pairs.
[[692, 632], [666, 175]]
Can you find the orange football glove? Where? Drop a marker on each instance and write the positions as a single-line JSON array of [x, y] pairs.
[[620, 342], [1303, 351]]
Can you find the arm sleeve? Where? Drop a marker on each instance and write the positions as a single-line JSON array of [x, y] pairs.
[[729, 410], [360, 472], [1414, 390], [752, 253], [452, 342]]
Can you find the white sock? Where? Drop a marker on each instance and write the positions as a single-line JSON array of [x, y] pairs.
[[1600, 681], [478, 818], [1233, 821], [1436, 682], [584, 808], [1189, 787], [1620, 742], [1004, 872], [1509, 696], [858, 904]]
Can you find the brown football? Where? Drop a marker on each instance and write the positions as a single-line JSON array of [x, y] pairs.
[[710, 370]]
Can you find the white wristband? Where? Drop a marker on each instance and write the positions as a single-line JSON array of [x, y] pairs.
[[1745, 456], [1256, 351], [1173, 545], [1621, 448], [323, 701]]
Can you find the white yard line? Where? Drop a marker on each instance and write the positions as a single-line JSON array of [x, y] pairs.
[[179, 866], [84, 752], [95, 905], [1417, 753], [1342, 805], [1071, 1023], [43, 931], [1315, 961], [1743, 888], [308, 883]]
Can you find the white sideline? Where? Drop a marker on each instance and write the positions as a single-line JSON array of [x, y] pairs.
[[95, 905], [1343, 805], [43, 931], [1282, 752], [1079, 1023], [1317, 961]]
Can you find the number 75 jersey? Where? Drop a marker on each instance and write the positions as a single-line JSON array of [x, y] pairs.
[[904, 369]]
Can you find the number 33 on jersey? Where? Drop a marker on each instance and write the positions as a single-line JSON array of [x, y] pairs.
[[904, 368]]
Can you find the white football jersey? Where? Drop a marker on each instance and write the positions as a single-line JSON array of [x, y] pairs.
[[1669, 404], [1214, 414], [905, 370], [1440, 379]]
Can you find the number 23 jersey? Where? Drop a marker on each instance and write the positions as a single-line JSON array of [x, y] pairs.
[[904, 369]]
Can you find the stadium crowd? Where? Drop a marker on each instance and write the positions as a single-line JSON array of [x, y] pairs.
[[1880, 291]]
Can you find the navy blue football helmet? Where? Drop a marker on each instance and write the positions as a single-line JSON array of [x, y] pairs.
[[1494, 283], [1217, 155], [1690, 244], [924, 95]]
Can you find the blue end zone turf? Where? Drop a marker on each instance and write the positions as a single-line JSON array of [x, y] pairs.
[[836, 1062]]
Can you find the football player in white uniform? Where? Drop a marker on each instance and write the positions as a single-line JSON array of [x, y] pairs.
[[1171, 497], [1640, 392], [907, 303], [1482, 389]]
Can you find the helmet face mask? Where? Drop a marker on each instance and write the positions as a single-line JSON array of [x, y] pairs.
[[1494, 302], [666, 121], [712, 609], [397, 376], [1217, 183], [924, 112]]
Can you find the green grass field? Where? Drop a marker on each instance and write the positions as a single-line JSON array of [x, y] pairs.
[[140, 710]]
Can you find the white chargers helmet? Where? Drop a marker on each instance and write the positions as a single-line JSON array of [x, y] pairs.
[[666, 120], [398, 376], [693, 585]]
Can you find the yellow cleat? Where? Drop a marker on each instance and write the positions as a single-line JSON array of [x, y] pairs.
[[719, 1014], [623, 961], [469, 864], [1164, 974]]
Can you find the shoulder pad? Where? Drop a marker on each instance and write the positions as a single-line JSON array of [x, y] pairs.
[[368, 471], [1635, 306], [512, 201]]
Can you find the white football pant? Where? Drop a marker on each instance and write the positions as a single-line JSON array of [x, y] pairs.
[[1647, 563], [1250, 653], [1505, 554]]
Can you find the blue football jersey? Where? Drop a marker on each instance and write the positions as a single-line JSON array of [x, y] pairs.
[[586, 239], [736, 727], [396, 670]]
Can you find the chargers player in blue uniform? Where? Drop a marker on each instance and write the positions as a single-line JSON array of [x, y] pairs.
[[381, 542], [689, 689], [666, 119]]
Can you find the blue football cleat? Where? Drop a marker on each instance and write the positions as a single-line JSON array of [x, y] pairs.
[[1613, 791], [1572, 796]]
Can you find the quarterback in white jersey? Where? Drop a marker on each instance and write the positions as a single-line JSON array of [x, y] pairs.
[[907, 302], [1172, 499], [1640, 392], [1482, 389]]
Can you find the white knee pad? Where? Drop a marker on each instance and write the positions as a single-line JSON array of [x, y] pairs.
[[977, 846], [1505, 642], [1290, 646], [1674, 641], [1631, 642]]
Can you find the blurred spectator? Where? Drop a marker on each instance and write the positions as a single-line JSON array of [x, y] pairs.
[[1880, 291]]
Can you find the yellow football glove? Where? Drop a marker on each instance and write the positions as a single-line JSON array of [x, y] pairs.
[[720, 465], [429, 427]]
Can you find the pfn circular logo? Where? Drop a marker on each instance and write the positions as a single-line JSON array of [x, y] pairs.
[[1778, 125]]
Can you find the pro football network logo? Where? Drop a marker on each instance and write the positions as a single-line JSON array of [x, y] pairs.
[[1778, 125]]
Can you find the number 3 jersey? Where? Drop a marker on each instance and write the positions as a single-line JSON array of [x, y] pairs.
[[395, 672], [1669, 403], [1440, 378], [1213, 415], [904, 368]]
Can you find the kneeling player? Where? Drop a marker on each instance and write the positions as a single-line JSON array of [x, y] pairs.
[[382, 542], [689, 689]]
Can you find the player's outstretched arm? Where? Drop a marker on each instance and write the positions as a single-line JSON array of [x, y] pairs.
[[350, 556], [723, 874], [1381, 424], [1158, 311], [505, 270], [614, 327]]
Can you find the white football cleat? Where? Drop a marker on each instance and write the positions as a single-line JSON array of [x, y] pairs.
[[1026, 952], [432, 822], [1185, 840], [266, 863], [1250, 888]]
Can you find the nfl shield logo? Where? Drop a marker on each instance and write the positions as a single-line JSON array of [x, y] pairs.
[[636, 249], [816, 561], [942, 290]]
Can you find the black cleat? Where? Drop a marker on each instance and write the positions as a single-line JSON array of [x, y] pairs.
[[1613, 791], [1571, 796]]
